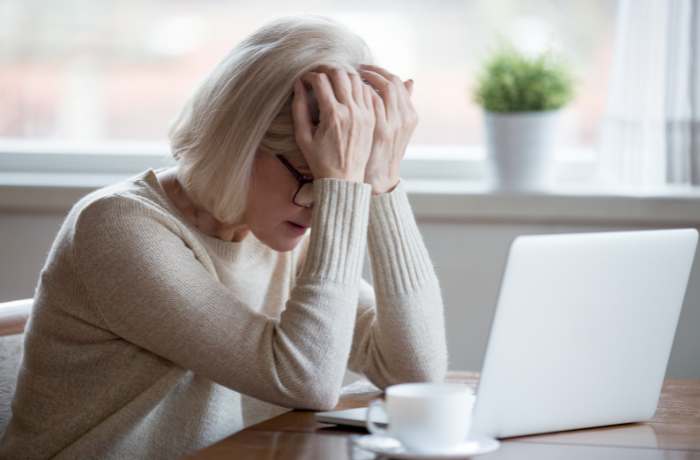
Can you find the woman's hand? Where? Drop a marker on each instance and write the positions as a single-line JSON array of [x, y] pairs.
[[396, 119], [339, 147]]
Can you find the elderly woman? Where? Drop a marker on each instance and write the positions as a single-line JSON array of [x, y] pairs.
[[184, 304]]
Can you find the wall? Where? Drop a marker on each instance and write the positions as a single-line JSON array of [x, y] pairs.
[[470, 259]]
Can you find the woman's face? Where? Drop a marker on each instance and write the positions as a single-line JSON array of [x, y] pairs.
[[270, 212]]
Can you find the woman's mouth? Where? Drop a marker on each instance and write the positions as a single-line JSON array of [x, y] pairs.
[[296, 228]]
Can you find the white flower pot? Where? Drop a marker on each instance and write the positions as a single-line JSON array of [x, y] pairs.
[[520, 148]]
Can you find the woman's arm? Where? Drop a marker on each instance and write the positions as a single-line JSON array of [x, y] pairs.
[[399, 331], [150, 290]]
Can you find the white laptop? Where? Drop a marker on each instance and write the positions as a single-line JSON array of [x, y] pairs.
[[582, 332]]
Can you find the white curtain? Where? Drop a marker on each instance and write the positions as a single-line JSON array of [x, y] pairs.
[[651, 129]]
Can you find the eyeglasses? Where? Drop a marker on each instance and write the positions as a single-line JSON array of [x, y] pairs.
[[304, 195]]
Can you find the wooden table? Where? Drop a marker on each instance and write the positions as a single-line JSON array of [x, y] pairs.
[[673, 433]]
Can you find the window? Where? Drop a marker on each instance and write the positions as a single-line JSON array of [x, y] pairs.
[[78, 72]]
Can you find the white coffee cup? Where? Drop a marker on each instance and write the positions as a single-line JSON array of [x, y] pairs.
[[426, 417]]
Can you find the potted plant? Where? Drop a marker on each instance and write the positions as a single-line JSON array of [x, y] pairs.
[[522, 98]]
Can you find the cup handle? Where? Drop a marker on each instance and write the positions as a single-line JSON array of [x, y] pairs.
[[371, 426]]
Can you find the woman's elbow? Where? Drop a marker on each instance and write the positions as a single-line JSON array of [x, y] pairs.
[[427, 370], [436, 373], [430, 372], [316, 398], [433, 366]]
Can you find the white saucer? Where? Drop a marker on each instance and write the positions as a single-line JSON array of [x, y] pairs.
[[392, 447]]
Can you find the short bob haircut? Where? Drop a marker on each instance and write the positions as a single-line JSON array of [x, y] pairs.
[[244, 106]]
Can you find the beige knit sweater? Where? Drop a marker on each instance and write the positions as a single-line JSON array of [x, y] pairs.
[[150, 339]]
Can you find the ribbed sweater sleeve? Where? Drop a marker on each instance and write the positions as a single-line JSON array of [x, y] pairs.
[[400, 330], [150, 289]]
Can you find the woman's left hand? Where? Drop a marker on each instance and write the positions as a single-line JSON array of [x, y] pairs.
[[396, 119]]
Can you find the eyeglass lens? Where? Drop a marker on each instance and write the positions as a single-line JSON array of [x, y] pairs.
[[305, 195]]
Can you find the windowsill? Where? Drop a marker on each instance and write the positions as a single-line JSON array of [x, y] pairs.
[[563, 203], [443, 200], [443, 182]]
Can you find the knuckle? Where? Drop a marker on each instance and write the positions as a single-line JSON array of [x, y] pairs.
[[382, 134], [302, 139], [341, 116], [335, 123], [315, 79]]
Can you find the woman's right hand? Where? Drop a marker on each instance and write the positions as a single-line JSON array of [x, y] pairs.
[[339, 146]]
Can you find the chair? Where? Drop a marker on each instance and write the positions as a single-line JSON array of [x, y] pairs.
[[13, 318]]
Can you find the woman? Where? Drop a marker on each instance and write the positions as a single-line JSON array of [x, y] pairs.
[[187, 303]]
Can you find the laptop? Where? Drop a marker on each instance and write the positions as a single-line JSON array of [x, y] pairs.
[[582, 333]]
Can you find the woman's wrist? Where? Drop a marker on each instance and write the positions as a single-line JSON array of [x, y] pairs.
[[387, 186]]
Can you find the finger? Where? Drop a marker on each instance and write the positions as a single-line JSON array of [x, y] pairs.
[[357, 90], [409, 86], [341, 85], [367, 92], [380, 70], [383, 86], [392, 78], [376, 80], [323, 90], [379, 109], [300, 114]]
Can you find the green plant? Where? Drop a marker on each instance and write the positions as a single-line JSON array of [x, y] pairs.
[[512, 82]]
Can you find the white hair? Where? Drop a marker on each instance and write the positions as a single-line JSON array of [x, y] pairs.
[[244, 105]]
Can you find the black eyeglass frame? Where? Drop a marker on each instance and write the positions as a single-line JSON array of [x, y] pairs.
[[301, 179]]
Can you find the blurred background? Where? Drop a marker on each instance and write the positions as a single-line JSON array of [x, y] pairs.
[[100, 71]]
